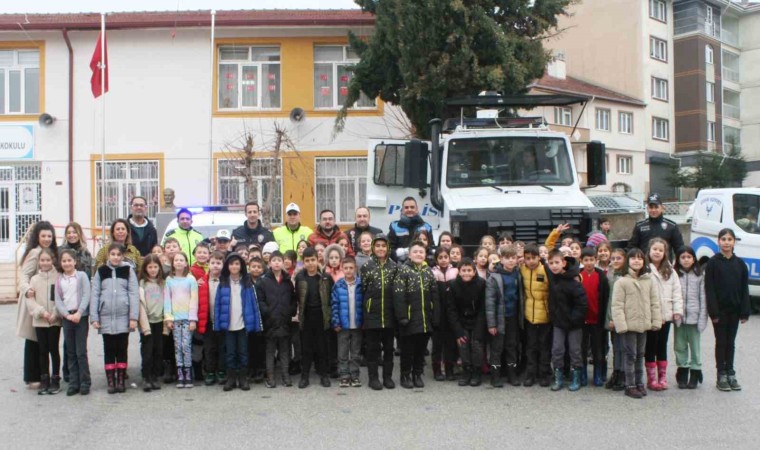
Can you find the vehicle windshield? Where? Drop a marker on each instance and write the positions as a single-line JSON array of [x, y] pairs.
[[508, 161]]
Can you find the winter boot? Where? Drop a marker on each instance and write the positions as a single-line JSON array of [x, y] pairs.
[[449, 368], [682, 377], [286, 381], [418, 383], [620, 383], [180, 378], [477, 378], [695, 377], [598, 381], [464, 378], [496, 377], [437, 373], [44, 388], [576, 384], [662, 370], [723, 382], [111, 377], [154, 383], [231, 381], [406, 381], [388, 376], [55, 385], [559, 380], [146, 386], [633, 392], [242, 379], [612, 380], [735, 386], [584, 376], [188, 377], [304, 382], [121, 372], [374, 379], [512, 375], [652, 382], [210, 379], [270, 381]]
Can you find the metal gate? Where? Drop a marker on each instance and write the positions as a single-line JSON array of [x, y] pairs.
[[20, 204]]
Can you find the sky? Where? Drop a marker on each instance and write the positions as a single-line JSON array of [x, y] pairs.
[[59, 6]]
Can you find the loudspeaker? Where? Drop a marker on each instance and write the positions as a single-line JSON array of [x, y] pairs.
[[596, 163], [297, 115]]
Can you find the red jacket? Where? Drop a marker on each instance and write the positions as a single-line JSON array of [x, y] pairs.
[[198, 271], [318, 236], [202, 278]]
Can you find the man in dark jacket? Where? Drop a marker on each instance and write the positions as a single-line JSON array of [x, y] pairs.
[[360, 226], [402, 231], [144, 235], [252, 231], [656, 226]]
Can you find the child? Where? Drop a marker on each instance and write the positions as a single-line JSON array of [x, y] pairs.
[[671, 308], [365, 249], [538, 329], [114, 310], [687, 336], [334, 254], [426, 238], [378, 277], [236, 313], [603, 252], [445, 240], [444, 343], [488, 242], [277, 299], [201, 254], [481, 262], [575, 249], [493, 260], [40, 302], [199, 270], [413, 301], [347, 315], [543, 252], [257, 343], [242, 251], [302, 244], [255, 269], [289, 260], [320, 249], [604, 226], [181, 316], [597, 289], [455, 255], [465, 300], [345, 245], [566, 252], [158, 251], [727, 292], [254, 252], [505, 315], [505, 239], [635, 311], [151, 321], [171, 248], [313, 316], [72, 300], [617, 380], [267, 250], [213, 341], [520, 246]]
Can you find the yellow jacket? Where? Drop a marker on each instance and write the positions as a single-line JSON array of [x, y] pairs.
[[536, 287]]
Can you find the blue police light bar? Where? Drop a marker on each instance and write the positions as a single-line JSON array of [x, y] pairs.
[[209, 208]]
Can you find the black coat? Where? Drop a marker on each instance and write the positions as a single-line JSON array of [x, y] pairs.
[[277, 302], [727, 287], [466, 307], [259, 235], [567, 299], [414, 297], [149, 239], [647, 229], [355, 232], [377, 291]]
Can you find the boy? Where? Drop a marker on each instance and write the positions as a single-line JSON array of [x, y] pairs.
[[277, 299], [378, 276], [505, 239], [199, 270], [597, 288], [256, 342], [538, 330], [505, 314], [171, 248], [201, 253], [256, 268], [465, 301], [313, 290], [346, 308], [213, 341], [222, 241], [567, 308], [242, 250]]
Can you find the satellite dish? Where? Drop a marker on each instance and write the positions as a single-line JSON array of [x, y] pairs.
[[297, 115], [46, 120]]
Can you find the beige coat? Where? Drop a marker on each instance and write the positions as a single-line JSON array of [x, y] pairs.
[[43, 301], [636, 304], [671, 299], [24, 326]]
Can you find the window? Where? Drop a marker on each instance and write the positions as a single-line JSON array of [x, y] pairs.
[[249, 77], [746, 212], [658, 10], [124, 180], [660, 89], [710, 91], [563, 116], [709, 16], [20, 200], [602, 119], [658, 49], [624, 165], [341, 186], [389, 165], [709, 58], [660, 129], [19, 81], [625, 122], [236, 187], [332, 75], [710, 131]]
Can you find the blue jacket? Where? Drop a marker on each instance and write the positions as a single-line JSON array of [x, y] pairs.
[[339, 304], [251, 312]]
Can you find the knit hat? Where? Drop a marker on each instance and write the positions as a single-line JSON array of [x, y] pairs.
[[270, 247], [595, 239]]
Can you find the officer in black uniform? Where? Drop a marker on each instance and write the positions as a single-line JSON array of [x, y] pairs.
[[655, 226]]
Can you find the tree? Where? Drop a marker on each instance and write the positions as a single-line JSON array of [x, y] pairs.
[[423, 52], [712, 170]]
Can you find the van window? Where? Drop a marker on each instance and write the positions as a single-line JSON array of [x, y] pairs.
[[746, 212], [389, 164]]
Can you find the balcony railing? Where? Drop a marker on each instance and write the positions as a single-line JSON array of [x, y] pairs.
[[731, 111], [729, 37], [730, 75]]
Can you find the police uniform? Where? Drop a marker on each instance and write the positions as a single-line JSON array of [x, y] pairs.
[[656, 227]]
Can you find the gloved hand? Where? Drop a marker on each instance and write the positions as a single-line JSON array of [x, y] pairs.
[[402, 253]]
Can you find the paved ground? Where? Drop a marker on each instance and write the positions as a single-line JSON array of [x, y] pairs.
[[442, 415]]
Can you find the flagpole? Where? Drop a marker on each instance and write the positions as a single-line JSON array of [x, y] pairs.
[[103, 124], [211, 116]]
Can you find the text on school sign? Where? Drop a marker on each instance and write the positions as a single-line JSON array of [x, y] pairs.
[[16, 142]]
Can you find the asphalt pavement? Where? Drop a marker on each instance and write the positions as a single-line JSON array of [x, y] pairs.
[[442, 415]]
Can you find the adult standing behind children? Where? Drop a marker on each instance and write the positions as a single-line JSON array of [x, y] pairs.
[[401, 231], [327, 232], [655, 226], [144, 235], [289, 235], [252, 231], [187, 237], [121, 235], [361, 225]]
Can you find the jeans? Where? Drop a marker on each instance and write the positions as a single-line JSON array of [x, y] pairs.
[[506, 344], [48, 339], [213, 350], [413, 353], [375, 339], [236, 345], [574, 345], [633, 357], [349, 347], [471, 352], [183, 341], [152, 351], [687, 347], [725, 338], [657, 343], [538, 349], [280, 345], [75, 340]]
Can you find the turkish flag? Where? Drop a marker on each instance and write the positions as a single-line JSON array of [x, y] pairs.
[[96, 63]]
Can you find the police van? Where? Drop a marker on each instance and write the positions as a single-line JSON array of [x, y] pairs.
[[209, 220], [735, 208]]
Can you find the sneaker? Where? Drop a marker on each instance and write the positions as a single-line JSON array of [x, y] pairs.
[[642, 389], [388, 383], [735, 386], [270, 383], [55, 385], [146, 385], [210, 379], [345, 382], [529, 381], [633, 392], [84, 389], [355, 382], [189, 383], [304, 383], [72, 390], [723, 384], [325, 381]]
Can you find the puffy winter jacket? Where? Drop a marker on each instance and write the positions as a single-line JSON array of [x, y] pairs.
[[43, 301], [278, 303], [694, 302], [414, 298], [495, 304], [251, 311], [536, 289], [325, 290], [612, 278], [378, 280], [149, 236], [319, 237], [115, 299], [669, 291], [567, 298], [339, 306], [465, 301], [635, 304]]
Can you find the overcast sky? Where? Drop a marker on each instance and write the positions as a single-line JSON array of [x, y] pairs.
[[60, 6]]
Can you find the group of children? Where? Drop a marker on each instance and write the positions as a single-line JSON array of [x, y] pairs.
[[513, 305]]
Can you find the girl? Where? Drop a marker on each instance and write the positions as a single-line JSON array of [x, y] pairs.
[[481, 262], [465, 300], [446, 240], [603, 252], [40, 302], [345, 245], [181, 316], [334, 255], [120, 234], [365, 249], [444, 345], [635, 310], [427, 240], [151, 321], [76, 242], [114, 310], [455, 255], [157, 250], [302, 244], [72, 300], [320, 248], [617, 380], [687, 336], [575, 249], [543, 252], [671, 308], [289, 261], [727, 293], [488, 242]]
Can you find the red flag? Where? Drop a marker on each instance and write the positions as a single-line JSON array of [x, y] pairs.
[[95, 65]]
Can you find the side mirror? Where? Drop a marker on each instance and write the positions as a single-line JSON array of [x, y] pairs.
[[596, 164], [416, 164]]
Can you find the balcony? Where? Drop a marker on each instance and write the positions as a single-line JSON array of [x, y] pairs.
[[731, 111], [730, 75], [729, 37]]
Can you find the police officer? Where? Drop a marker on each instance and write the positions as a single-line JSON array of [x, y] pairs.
[[655, 226]]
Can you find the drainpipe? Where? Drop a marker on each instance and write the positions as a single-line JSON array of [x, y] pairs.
[[71, 124]]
